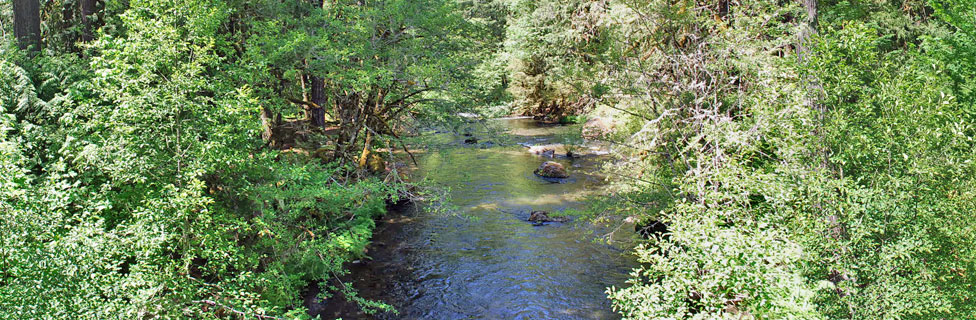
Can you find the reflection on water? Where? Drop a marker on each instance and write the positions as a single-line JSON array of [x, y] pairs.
[[487, 262]]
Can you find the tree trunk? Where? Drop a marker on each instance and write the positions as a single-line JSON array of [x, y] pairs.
[[347, 106], [27, 24], [267, 123], [808, 29], [364, 156], [814, 89], [87, 14], [836, 229], [317, 97], [317, 91]]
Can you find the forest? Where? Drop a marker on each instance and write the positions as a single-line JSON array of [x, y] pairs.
[[214, 159]]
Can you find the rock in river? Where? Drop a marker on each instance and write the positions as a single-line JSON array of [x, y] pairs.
[[550, 169], [539, 217]]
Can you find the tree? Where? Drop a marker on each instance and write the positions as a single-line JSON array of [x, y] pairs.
[[87, 8], [834, 185], [27, 24], [173, 206]]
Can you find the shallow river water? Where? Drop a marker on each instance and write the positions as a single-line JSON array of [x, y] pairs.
[[479, 258]]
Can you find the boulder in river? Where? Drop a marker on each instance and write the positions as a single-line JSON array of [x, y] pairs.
[[540, 217], [551, 169]]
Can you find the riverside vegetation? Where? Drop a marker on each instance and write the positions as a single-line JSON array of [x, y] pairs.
[[213, 159]]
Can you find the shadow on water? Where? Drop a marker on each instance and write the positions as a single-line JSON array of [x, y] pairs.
[[487, 262]]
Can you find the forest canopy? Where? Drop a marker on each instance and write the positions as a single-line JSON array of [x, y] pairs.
[[214, 159]]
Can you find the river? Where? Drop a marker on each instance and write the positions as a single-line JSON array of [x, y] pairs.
[[477, 257]]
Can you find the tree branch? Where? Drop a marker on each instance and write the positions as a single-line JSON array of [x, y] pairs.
[[303, 102]]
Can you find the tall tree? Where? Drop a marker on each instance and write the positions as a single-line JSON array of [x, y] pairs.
[[317, 89], [809, 28], [317, 97], [87, 14], [27, 23], [813, 87]]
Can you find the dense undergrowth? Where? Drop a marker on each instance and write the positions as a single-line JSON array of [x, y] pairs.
[[209, 159], [807, 165]]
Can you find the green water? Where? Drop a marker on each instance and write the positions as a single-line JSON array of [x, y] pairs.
[[480, 259]]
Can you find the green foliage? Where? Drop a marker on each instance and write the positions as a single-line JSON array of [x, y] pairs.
[[900, 137], [490, 17], [136, 184], [572, 120], [836, 187], [552, 50], [411, 59]]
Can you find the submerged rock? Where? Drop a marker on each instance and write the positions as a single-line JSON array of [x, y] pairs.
[[540, 217], [550, 169]]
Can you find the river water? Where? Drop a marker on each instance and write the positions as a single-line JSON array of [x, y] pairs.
[[477, 257]]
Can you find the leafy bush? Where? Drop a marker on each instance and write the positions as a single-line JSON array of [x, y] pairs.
[[832, 185], [136, 183]]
